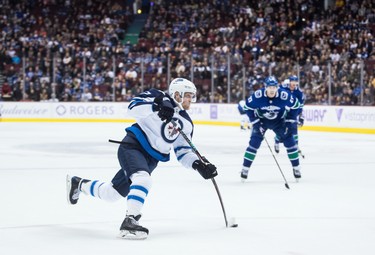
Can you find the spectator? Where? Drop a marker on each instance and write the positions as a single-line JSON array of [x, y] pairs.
[[256, 35], [97, 96], [6, 92], [368, 97], [86, 95]]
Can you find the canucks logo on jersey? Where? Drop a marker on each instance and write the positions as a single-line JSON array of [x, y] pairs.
[[270, 112]]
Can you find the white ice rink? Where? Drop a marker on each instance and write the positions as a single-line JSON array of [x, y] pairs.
[[330, 211]]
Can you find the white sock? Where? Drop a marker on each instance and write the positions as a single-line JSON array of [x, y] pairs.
[[102, 190], [141, 184]]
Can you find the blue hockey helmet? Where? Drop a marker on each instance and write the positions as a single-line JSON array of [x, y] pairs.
[[271, 81], [293, 78]]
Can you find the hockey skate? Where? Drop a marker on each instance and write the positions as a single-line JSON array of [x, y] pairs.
[[130, 229], [277, 147], [244, 174], [73, 188], [297, 172]]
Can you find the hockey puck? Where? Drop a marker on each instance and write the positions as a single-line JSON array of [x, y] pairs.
[[232, 223]]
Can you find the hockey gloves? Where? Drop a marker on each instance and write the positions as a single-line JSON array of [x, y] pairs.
[[164, 106], [258, 128], [301, 121], [288, 128], [206, 169]]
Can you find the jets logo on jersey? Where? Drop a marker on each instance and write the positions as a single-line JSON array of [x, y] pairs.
[[169, 132], [271, 112]]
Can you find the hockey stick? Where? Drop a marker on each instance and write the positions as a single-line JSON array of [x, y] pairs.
[[232, 224], [300, 152], [277, 163]]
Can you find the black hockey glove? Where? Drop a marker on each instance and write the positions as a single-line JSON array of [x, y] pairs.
[[257, 127], [288, 128], [206, 169], [301, 121], [165, 108]]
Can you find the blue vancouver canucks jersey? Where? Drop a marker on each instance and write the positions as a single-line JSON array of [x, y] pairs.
[[272, 111], [297, 93]]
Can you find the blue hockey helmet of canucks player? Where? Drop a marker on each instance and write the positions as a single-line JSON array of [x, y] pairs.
[[272, 86], [271, 81], [293, 78], [293, 82]]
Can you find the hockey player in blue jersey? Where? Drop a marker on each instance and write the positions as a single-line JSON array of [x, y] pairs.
[[291, 84], [147, 142], [271, 108]]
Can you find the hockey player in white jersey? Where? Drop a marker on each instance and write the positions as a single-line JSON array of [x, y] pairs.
[[245, 121], [147, 142]]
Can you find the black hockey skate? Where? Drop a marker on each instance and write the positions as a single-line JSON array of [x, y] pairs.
[[244, 174], [297, 173], [73, 188], [277, 147], [130, 228]]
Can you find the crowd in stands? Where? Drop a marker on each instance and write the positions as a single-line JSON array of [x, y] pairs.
[[70, 50]]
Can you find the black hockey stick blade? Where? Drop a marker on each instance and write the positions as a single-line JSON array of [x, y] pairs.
[[287, 186]]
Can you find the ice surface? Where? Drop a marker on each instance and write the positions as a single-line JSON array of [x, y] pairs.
[[330, 211]]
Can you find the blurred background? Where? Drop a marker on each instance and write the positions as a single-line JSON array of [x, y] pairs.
[[71, 50]]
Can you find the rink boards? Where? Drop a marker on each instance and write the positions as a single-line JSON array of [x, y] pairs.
[[354, 119]]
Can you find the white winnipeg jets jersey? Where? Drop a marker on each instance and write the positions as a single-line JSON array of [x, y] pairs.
[[158, 137]]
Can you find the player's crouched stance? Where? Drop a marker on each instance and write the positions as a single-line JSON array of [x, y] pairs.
[[147, 142], [271, 108]]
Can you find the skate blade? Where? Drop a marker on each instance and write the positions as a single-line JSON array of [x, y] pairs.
[[297, 179], [300, 153], [132, 235], [243, 178]]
